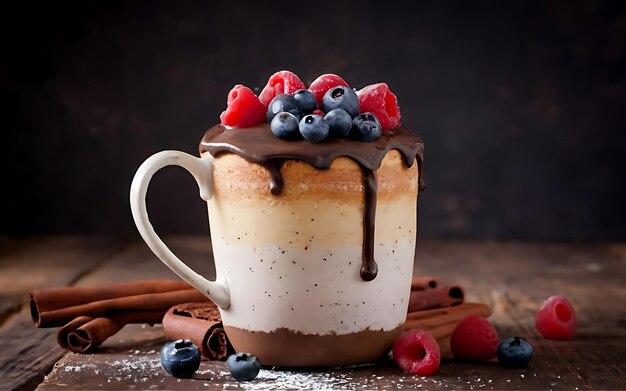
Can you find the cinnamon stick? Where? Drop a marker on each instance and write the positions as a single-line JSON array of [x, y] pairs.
[[419, 283], [441, 322], [440, 318], [44, 300], [85, 333], [440, 296], [109, 307], [201, 323]]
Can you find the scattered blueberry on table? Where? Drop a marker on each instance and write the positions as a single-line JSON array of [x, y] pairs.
[[243, 366], [180, 358], [515, 352]]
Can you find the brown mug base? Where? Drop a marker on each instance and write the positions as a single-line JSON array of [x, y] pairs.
[[286, 348]]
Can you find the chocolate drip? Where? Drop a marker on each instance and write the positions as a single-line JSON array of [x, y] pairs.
[[276, 179], [258, 145], [369, 268]]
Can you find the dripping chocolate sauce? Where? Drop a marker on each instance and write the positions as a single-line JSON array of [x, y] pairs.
[[258, 145]]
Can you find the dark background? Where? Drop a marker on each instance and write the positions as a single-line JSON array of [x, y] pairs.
[[522, 106]]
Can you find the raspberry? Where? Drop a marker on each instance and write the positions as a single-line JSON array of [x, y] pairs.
[[325, 83], [282, 82], [318, 112], [417, 352], [244, 109], [556, 318], [474, 338], [378, 99]]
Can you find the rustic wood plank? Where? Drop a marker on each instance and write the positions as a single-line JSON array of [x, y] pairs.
[[130, 360], [28, 353], [9, 244], [47, 262], [513, 277], [138, 262]]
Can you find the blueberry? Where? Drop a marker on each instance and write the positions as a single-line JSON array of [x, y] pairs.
[[285, 125], [180, 358], [306, 101], [313, 128], [341, 97], [243, 366], [339, 123], [283, 102], [515, 352], [365, 127]]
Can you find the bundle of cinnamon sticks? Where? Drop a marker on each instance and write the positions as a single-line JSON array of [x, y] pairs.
[[87, 316], [438, 309]]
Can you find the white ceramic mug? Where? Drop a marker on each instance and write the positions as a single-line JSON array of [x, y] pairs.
[[287, 266]]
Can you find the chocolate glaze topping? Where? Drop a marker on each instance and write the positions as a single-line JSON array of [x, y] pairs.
[[258, 145]]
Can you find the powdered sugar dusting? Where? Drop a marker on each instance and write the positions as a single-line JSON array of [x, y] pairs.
[[336, 379], [139, 367]]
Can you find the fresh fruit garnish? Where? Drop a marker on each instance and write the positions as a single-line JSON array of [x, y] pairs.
[[283, 103], [365, 127], [556, 318], [244, 108], [313, 128], [515, 352], [306, 100], [180, 358], [341, 97], [378, 99], [319, 112], [283, 82], [474, 338], [417, 352], [339, 123], [325, 83], [243, 366], [285, 126]]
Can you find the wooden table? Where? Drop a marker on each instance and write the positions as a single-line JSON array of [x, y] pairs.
[[514, 278]]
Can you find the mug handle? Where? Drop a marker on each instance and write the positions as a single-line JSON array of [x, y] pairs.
[[201, 169]]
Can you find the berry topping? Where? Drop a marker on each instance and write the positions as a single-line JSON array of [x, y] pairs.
[[515, 352], [283, 102], [556, 318], [417, 352], [283, 82], [341, 97], [365, 127], [313, 128], [306, 100], [180, 358], [339, 123], [318, 112], [474, 338], [378, 99], [285, 126], [325, 83], [243, 366], [244, 109]]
